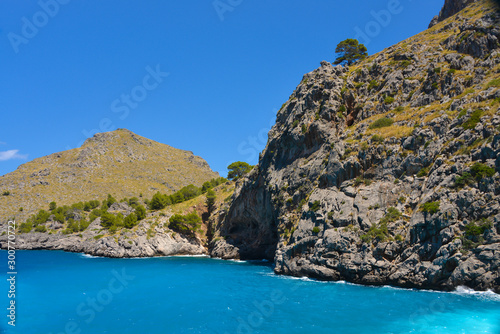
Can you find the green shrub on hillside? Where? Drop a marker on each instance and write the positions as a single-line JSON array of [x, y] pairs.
[[109, 201], [475, 118], [83, 224], [212, 184], [78, 206], [474, 233], [41, 217], [107, 220], [188, 224], [378, 232], [389, 100], [377, 139], [473, 229], [392, 215], [130, 221], [25, 227], [41, 229], [359, 180], [315, 206], [210, 201], [133, 202], [59, 217], [95, 213], [159, 201], [423, 172], [189, 192], [493, 83], [304, 128], [381, 123], [373, 84], [463, 180], [140, 212], [481, 171], [430, 207]]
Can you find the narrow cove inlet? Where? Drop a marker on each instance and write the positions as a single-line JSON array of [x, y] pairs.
[[61, 292]]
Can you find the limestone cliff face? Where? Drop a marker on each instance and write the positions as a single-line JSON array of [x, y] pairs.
[[450, 8], [386, 172]]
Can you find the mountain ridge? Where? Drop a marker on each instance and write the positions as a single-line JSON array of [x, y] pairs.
[[119, 162]]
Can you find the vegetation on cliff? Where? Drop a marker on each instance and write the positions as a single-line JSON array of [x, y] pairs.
[[115, 215], [373, 171]]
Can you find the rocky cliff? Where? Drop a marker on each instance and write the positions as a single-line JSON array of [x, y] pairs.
[[385, 172]]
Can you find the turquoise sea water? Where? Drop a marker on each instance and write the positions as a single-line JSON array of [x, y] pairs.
[[58, 292]]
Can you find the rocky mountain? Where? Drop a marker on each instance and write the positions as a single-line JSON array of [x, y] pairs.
[[120, 163], [385, 172], [450, 8]]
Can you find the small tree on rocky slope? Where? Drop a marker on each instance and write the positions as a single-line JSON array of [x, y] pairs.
[[350, 51], [238, 169], [210, 201]]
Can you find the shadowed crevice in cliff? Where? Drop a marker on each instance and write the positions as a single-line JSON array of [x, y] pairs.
[[249, 228]]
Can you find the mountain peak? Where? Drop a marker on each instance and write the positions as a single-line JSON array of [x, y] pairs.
[[112, 137], [450, 8], [118, 162]]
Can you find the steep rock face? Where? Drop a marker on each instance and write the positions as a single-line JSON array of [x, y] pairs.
[[385, 172], [250, 224]]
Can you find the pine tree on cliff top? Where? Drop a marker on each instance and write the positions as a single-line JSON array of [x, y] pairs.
[[350, 51]]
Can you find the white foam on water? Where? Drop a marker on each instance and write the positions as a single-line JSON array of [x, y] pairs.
[[237, 261], [461, 290], [466, 291], [88, 256]]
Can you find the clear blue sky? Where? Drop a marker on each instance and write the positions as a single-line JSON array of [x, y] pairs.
[[221, 69]]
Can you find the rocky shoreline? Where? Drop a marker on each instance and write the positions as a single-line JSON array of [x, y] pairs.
[[143, 241]]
